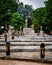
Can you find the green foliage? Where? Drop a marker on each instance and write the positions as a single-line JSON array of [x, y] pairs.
[[39, 18], [7, 7], [49, 14], [17, 20], [43, 16]]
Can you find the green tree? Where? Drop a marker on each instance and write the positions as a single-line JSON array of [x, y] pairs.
[[39, 18], [7, 7], [43, 16], [49, 15], [17, 20]]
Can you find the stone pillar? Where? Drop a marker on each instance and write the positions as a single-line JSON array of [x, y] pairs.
[[20, 30], [41, 28], [33, 26], [41, 31], [32, 31], [26, 20]]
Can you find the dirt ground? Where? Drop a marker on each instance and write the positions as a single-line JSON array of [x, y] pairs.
[[13, 62]]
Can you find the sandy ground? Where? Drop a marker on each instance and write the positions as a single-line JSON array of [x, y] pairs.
[[11, 62]]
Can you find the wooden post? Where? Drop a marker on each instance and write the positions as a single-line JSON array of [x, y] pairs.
[[7, 48], [12, 35], [42, 49], [5, 36]]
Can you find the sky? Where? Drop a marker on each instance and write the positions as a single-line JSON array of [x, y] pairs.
[[35, 3]]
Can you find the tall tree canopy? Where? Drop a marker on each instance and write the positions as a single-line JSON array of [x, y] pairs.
[[17, 20], [43, 16], [7, 7], [39, 17], [49, 14]]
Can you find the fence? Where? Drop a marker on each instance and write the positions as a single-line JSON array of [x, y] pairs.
[[42, 49]]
